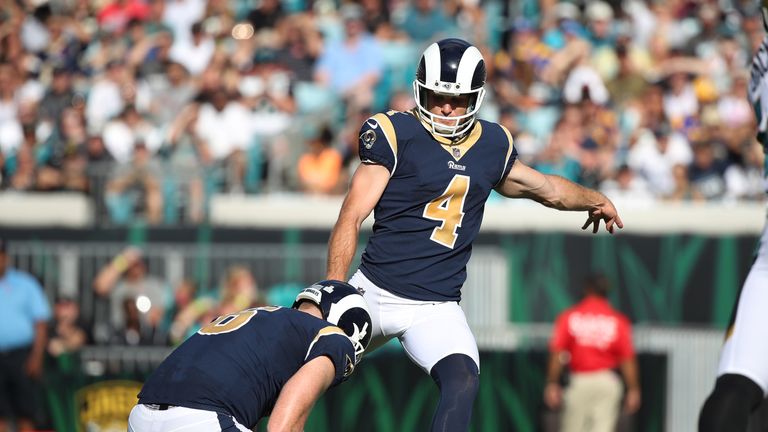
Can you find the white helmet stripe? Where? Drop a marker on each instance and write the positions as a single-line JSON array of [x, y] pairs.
[[432, 57], [467, 66], [345, 304]]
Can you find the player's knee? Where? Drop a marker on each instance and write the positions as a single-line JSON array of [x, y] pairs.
[[730, 403], [456, 375]]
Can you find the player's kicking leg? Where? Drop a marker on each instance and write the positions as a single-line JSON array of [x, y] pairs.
[[435, 336], [441, 343]]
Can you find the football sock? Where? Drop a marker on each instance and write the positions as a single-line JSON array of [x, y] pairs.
[[458, 379], [729, 405]]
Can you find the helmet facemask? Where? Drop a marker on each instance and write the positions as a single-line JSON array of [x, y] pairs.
[[360, 338], [447, 126]]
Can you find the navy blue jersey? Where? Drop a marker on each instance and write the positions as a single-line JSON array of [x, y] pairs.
[[238, 363], [432, 207]]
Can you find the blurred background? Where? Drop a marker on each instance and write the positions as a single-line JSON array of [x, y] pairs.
[[166, 161]]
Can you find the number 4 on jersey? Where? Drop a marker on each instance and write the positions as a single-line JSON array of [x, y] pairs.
[[448, 208]]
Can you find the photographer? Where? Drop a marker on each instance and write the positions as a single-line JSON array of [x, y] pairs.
[[126, 278]]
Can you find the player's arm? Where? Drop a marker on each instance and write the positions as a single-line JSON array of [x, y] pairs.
[[299, 395], [561, 194], [366, 188]]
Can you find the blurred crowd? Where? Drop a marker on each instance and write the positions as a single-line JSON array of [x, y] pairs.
[[152, 106], [139, 308]]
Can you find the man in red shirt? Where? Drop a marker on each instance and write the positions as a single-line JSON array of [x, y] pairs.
[[594, 339]]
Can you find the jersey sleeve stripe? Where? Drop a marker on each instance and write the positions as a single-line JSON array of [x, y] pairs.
[[509, 153], [389, 132], [325, 331]]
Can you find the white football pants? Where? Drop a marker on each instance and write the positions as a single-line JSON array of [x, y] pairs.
[[428, 330]]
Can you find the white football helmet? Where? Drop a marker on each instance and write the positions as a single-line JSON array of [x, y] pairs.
[[343, 306], [450, 67]]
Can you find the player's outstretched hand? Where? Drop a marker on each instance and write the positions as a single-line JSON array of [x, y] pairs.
[[606, 212]]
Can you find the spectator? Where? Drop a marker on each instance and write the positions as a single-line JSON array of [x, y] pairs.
[[22, 344], [301, 48], [22, 178], [96, 152], [734, 114], [64, 46], [554, 159], [627, 187], [105, 100], [351, 67], [126, 278], [681, 186], [658, 63], [601, 25], [135, 188], [268, 91], [744, 179], [223, 136], [680, 102], [122, 134], [319, 167], [137, 329], [61, 166], [583, 82], [184, 294], [237, 291], [181, 15], [593, 339], [169, 92], [184, 161], [34, 34], [31, 90], [266, 15], [115, 16], [59, 96], [628, 84], [425, 21], [654, 155], [706, 172], [195, 53], [376, 14], [73, 171], [8, 97], [67, 333], [152, 55]]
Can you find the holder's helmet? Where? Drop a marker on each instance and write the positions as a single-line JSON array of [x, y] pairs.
[[343, 306]]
